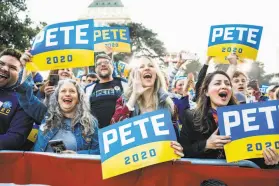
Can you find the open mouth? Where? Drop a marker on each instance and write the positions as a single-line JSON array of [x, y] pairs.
[[241, 89], [67, 100], [65, 74], [147, 76], [223, 95], [4, 76]]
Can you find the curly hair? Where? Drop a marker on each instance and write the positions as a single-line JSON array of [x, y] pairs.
[[83, 116]]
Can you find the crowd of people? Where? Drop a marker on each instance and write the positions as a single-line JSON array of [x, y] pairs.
[[73, 109]]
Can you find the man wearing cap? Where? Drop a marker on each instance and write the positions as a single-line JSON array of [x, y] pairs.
[[104, 92]]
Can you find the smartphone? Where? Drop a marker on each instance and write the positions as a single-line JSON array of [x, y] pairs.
[[53, 79], [188, 56], [57, 145]]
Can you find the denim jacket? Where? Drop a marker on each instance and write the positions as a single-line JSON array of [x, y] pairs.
[[83, 146], [29, 102]]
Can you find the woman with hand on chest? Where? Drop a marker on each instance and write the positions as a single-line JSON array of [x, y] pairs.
[[199, 136]]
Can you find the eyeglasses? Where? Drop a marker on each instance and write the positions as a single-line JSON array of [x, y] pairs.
[[100, 63]]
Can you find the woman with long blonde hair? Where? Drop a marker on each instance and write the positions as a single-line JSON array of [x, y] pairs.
[[146, 92]]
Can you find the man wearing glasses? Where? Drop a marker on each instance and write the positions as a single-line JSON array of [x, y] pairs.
[[104, 93]]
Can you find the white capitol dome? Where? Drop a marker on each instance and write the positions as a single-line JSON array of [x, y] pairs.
[[105, 12]]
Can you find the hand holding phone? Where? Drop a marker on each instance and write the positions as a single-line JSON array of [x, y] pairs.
[[57, 146], [53, 79]]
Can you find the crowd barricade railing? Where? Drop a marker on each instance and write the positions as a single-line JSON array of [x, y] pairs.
[[71, 169], [219, 162]]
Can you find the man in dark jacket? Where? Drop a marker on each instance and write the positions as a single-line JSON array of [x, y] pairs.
[[15, 125]]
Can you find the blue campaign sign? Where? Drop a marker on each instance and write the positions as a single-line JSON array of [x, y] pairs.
[[264, 88], [63, 45], [253, 127], [118, 38], [67, 35], [244, 40], [249, 35], [136, 142]]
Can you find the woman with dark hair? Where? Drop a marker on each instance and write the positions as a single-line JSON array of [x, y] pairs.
[[199, 135]]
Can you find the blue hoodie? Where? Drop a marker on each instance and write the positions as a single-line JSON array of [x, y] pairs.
[[15, 124]]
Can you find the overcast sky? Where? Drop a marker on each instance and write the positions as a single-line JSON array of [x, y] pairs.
[[182, 24]]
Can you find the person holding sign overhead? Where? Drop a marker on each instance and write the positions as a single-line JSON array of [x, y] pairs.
[[199, 135], [146, 92]]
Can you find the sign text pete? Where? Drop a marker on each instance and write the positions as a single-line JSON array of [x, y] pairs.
[[136, 142], [244, 40], [63, 45], [118, 38], [253, 128]]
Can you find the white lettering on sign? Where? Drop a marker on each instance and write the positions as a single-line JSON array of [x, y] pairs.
[[227, 33], [247, 120], [267, 111], [79, 33], [111, 136], [228, 124], [157, 125], [141, 124], [107, 141], [232, 119], [124, 134], [66, 31], [50, 36]]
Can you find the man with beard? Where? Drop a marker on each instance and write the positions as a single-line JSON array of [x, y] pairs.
[[15, 124], [104, 93]]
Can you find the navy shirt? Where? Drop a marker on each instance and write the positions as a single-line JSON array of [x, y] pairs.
[[15, 124], [103, 100]]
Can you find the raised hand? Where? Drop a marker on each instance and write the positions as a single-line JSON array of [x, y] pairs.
[[232, 58], [49, 90], [109, 50], [26, 57], [208, 60], [138, 89]]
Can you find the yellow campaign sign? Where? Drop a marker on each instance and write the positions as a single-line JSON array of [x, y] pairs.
[[118, 38], [63, 45], [243, 40], [253, 128], [136, 142], [33, 134], [250, 147]]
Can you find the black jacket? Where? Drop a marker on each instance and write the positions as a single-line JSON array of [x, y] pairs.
[[193, 142]]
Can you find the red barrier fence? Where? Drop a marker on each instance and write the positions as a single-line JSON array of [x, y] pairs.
[[52, 169]]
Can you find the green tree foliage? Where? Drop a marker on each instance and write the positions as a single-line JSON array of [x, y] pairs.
[[16, 32]]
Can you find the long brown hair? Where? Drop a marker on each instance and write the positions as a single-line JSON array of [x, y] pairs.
[[203, 104]]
